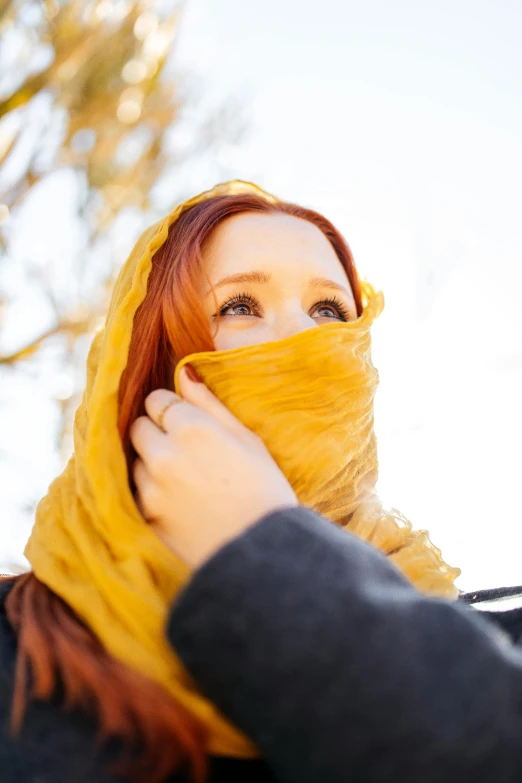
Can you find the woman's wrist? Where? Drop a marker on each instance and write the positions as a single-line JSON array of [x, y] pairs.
[[200, 546]]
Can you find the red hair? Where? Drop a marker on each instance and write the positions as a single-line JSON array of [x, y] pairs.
[[159, 736]]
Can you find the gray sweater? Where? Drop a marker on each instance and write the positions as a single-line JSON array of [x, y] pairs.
[[339, 670]]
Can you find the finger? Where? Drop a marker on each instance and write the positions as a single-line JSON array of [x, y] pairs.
[[139, 474], [198, 394], [146, 436], [143, 495], [159, 405]]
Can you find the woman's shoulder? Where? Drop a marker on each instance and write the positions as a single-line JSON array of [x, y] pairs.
[[55, 745], [52, 744]]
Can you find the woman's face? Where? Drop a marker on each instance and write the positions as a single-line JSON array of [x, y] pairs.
[[273, 275]]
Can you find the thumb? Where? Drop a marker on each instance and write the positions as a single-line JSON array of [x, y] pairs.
[[193, 390]]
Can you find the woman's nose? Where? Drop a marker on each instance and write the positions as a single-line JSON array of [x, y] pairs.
[[293, 324]]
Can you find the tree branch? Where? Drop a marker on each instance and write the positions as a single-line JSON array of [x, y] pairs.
[[76, 327]]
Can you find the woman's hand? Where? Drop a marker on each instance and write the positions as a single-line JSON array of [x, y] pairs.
[[205, 478]]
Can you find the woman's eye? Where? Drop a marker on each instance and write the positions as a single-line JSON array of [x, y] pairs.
[[239, 305], [327, 311], [332, 309], [239, 309], [245, 305]]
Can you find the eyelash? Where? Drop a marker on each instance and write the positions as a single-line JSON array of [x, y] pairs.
[[335, 302], [239, 299], [247, 299]]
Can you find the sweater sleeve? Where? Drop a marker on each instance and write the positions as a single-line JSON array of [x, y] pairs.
[[318, 648]]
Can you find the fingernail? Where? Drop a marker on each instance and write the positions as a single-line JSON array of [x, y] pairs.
[[192, 374]]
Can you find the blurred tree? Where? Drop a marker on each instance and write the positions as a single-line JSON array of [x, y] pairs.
[[89, 109]]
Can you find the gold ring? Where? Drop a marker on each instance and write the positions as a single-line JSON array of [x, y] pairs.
[[164, 408]]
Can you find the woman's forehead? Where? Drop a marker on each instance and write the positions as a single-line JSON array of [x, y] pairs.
[[255, 241]]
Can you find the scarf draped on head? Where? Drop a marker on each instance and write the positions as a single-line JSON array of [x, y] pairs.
[[309, 397]]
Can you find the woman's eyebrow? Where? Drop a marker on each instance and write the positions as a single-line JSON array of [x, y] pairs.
[[323, 282], [244, 277], [264, 277]]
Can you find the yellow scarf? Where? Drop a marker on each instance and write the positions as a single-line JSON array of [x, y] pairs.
[[310, 399]]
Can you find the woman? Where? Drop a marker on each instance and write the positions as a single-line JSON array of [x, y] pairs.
[[228, 289]]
